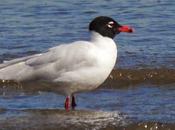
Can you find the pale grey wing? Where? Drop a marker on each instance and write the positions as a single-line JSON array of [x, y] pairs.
[[50, 65], [36, 59], [25, 67], [42, 59], [59, 62], [64, 57], [15, 61], [32, 61]]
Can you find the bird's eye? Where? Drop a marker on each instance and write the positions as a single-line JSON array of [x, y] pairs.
[[110, 24]]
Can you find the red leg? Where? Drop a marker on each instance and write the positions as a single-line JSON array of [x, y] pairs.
[[73, 104], [67, 103]]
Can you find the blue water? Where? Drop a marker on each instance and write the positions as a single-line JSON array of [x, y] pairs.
[[29, 27], [146, 103]]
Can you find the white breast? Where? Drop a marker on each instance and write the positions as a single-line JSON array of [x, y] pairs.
[[106, 53], [102, 55]]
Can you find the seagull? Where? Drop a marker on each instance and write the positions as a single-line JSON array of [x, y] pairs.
[[71, 68]]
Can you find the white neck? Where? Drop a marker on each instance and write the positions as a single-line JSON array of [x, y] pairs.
[[103, 42], [106, 53]]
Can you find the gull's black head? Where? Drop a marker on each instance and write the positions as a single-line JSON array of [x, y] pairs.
[[108, 27]]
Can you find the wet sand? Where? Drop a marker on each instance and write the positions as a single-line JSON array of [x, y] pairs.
[[131, 77], [125, 77], [57, 119]]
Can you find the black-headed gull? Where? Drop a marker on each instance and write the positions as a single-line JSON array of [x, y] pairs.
[[69, 68]]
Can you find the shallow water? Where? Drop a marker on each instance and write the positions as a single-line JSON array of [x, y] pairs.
[[141, 103], [29, 27], [142, 90], [104, 108]]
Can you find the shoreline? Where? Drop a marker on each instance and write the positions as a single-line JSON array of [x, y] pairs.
[[54, 119], [131, 77]]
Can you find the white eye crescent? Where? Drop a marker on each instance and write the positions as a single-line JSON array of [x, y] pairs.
[[110, 24]]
